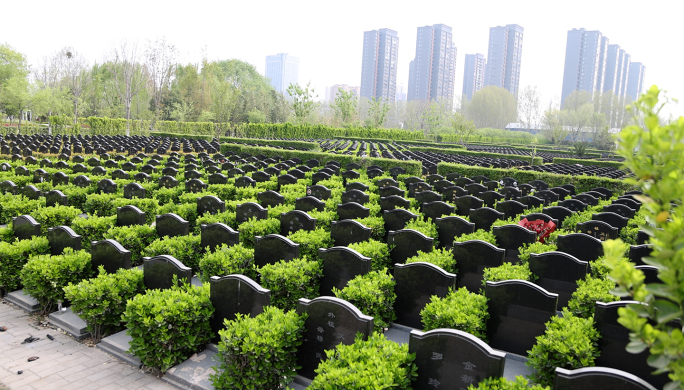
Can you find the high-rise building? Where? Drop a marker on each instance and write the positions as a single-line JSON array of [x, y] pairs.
[[432, 72], [504, 57], [617, 71], [473, 74], [401, 93], [379, 67], [585, 62], [282, 69], [635, 86]]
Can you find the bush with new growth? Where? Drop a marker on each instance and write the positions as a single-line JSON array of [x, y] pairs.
[[101, 301], [185, 249], [148, 205], [310, 240], [507, 271], [589, 291], [424, 226], [259, 352], [50, 217], [500, 383], [135, 238], [14, 206], [443, 258], [92, 228], [228, 260], [257, 227], [15, 255], [45, 276], [481, 235], [569, 342], [168, 326], [101, 205], [379, 252], [323, 218], [373, 294], [536, 247], [377, 225], [291, 280], [376, 363], [460, 309]]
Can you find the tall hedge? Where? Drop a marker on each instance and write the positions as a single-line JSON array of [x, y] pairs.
[[462, 152], [614, 164]]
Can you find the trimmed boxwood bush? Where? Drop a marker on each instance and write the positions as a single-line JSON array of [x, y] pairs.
[[424, 226], [101, 301], [507, 271], [377, 224], [379, 252], [498, 383], [45, 276], [589, 291], [257, 227], [14, 206], [149, 206], [373, 294], [92, 228], [228, 260], [50, 217], [77, 196], [477, 235], [323, 218], [442, 258], [275, 211], [15, 255], [168, 326], [376, 363], [535, 247], [185, 249], [460, 309], [228, 217], [134, 238], [569, 342], [291, 280], [100, 204], [259, 352], [6, 235], [310, 240]]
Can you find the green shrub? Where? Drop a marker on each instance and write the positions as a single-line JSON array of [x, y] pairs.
[[629, 233], [507, 271], [167, 195], [323, 218], [310, 240], [373, 294], [45, 276], [379, 252], [259, 352], [481, 234], [14, 206], [149, 206], [101, 301], [134, 238], [569, 342], [589, 291], [6, 235], [185, 249], [424, 226], [92, 228], [257, 227], [377, 225], [376, 363], [168, 326], [187, 211], [509, 221], [499, 383], [442, 258], [15, 255], [225, 192], [77, 196], [50, 217], [100, 204], [274, 212], [460, 310], [228, 217], [291, 280], [535, 247], [228, 260]]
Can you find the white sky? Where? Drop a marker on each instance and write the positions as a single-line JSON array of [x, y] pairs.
[[328, 36]]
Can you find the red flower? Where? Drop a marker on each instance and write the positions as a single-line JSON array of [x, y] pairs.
[[543, 229]]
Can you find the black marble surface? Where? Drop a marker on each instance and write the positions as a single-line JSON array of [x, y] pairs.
[[340, 265], [235, 294], [407, 243], [416, 283], [61, 237], [272, 248], [472, 257], [110, 254], [348, 231]]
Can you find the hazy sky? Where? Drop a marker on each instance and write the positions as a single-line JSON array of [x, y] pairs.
[[328, 36]]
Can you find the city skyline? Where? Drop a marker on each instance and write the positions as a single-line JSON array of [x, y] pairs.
[[432, 71], [282, 70], [504, 56], [333, 57], [379, 64]]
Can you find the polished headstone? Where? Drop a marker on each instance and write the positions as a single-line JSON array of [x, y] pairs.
[[407, 243], [210, 204], [348, 231], [465, 203], [484, 217], [171, 225], [8, 187], [620, 209], [25, 227], [587, 199], [418, 187], [539, 216], [56, 198], [318, 192], [475, 188], [547, 196], [472, 257], [168, 182], [638, 252], [427, 196], [309, 203], [558, 273], [330, 321], [394, 201], [396, 219], [295, 220], [391, 190], [31, 192], [109, 254], [512, 237], [129, 216], [142, 176], [270, 198], [195, 185], [436, 209], [598, 229], [489, 198], [451, 227], [235, 294], [350, 175], [573, 204], [272, 248], [61, 237], [598, 378], [245, 211], [612, 219], [158, 272], [581, 246], [510, 208], [518, 312], [245, 181], [558, 213], [356, 186], [216, 234], [134, 190], [416, 284], [340, 265], [355, 196], [531, 201]]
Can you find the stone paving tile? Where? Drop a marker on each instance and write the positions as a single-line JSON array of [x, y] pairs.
[[63, 363]]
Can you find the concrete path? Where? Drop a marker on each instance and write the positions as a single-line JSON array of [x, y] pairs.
[[63, 363]]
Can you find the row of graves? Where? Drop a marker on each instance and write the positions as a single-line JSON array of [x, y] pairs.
[[455, 206], [547, 156]]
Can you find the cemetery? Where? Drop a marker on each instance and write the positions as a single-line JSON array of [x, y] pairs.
[[327, 263]]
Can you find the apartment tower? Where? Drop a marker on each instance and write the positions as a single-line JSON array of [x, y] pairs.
[[504, 57], [432, 72], [473, 74], [379, 67], [282, 69]]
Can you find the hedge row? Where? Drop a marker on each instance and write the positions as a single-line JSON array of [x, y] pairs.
[[535, 161], [412, 167], [289, 130], [283, 143], [614, 164], [583, 183]]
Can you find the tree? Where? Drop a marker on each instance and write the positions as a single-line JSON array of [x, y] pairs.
[[345, 106], [129, 77], [492, 107], [377, 113], [528, 107], [75, 76], [302, 101], [437, 115], [463, 127], [256, 116], [654, 153], [12, 64], [160, 60], [14, 97], [578, 113], [414, 118], [553, 123]]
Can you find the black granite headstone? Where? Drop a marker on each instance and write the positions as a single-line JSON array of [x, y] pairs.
[[416, 283], [31, 192], [612, 219], [352, 210], [56, 198], [216, 234], [638, 252], [61, 237], [580, 245], [340, 265], [489, 198], [598, 378], [158, 272], [465, 203], [272, 248], [510, 208], [245, 211], [171, 225], [437, 209], [355, 196], [109, 254], [309, 203], [348, 231], [394, 201], [134, 190], [235, 294], [558, 213], [356, 186], [620, 209], [512, 237], [598, 229], [295, 220], [210, 204], [270, 198], [318, 192], [407, 243], [129, 216], [25, 227], [484, 217], [472, 257], [558, 273]]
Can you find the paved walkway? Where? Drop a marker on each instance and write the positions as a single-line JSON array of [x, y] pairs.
[[63, 362]]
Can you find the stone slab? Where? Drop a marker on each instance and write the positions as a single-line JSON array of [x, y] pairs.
[[515, 365], [117, 345], [400, 334], [24, 301], [68, 321], [194, 372]]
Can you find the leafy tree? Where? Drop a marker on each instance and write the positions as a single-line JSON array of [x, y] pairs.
[[528, 107], [654, 152], [492, 107], [377, 113], [463, 127], [552, 122], [14, 97], [129, 78], [160, 60], [12, 64], [302, 101], [256, 116], [345, 106]]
